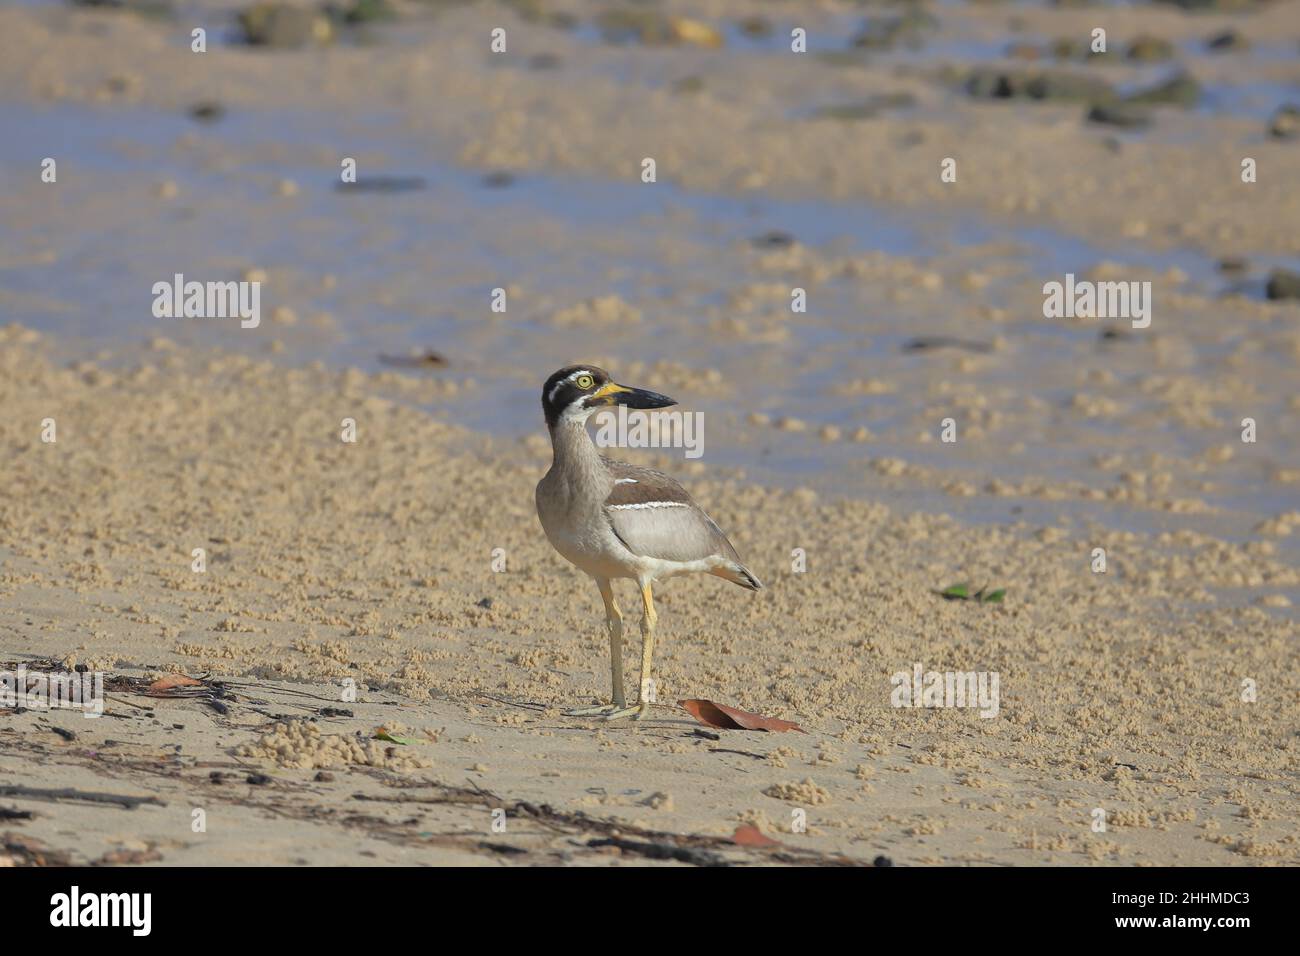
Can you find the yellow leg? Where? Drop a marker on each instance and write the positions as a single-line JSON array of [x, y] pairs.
[[614, 622], [648, 620], [641, 709]]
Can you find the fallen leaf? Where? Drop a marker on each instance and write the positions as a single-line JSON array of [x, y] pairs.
[[731, 718], [173, 680], [382, 733], [961, 592], [749, 835]]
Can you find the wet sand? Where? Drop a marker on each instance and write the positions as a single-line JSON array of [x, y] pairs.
[[372, 561]]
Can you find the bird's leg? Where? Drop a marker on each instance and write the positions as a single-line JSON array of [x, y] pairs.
[[648, 620], [614, 621], [641, 709]]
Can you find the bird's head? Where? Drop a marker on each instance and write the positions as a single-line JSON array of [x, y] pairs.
[[575, 392]]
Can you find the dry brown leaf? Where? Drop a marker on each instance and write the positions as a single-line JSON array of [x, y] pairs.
[[713, 714], [749, 835], [173, 680]]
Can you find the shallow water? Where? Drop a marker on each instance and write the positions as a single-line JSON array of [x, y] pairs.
[[414, 269]]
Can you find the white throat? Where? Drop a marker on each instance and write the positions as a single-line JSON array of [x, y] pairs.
[[576, 415]]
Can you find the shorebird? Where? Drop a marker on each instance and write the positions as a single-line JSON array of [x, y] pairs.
[[615, 520]]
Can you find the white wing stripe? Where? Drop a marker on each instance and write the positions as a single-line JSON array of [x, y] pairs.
[[651, 504]]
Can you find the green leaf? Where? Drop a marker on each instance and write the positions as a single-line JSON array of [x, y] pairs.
[[381, 733], [962, 592]]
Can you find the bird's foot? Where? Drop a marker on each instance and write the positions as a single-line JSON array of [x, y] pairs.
[[600, 710], [636, 712], [611, 711]]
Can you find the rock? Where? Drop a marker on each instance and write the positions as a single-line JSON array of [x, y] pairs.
[[1122, 115], [1229, 41], [995, 83], [209, 111], [365, 11], [1179, 90], [885, 33], [1149, 49], [382, 184], [534, 11], [774, 240], [651, 28], [120, 84], [1220, 5], [1285, 123], [1283, 284], [757, 27], [283, 26], [156, 8]]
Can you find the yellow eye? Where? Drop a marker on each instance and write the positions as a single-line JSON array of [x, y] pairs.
[[585, 381]]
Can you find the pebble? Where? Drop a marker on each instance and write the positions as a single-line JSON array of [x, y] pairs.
[[1285, 123], [1283, 284]]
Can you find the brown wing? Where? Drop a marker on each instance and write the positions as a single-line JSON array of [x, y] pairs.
[[655, 517]]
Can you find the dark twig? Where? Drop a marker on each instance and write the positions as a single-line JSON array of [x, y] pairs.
[[84, 796], [663, 851]]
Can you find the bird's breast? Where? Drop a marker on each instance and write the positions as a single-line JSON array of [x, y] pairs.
[[575, 526]]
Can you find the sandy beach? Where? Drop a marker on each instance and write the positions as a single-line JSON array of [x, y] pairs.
[[382, 639], [329, 561]]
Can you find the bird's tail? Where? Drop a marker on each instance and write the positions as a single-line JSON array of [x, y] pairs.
[[737, 573]]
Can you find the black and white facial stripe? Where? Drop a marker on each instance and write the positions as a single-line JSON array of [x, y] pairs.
[[569, 385]]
